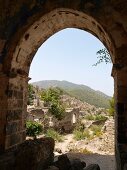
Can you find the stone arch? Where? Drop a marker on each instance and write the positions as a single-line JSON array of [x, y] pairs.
[[18, 62], [34, 22], [46, 26]]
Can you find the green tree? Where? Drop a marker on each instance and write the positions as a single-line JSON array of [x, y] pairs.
[[57, 110], [112, 107], [51, 97], [31, 93]]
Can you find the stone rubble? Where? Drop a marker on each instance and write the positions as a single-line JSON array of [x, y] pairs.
[[65, 163]]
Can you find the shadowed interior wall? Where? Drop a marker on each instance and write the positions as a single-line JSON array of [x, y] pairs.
[[25, 25]]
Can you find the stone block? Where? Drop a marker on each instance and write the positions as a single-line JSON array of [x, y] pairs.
[[34, 154], [13, 115], [30, 155], [13, 140], [13, 127], [92, 167]]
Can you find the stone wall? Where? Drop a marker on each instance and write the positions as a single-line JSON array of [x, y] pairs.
[[25, 25], [16, 113], [32, 154]]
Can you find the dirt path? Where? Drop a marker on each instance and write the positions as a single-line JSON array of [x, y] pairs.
[[63, 146], [105, 160]]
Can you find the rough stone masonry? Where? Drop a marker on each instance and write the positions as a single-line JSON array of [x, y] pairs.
[[25, 25]]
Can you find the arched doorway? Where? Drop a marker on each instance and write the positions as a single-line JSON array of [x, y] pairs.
[[23, 46]]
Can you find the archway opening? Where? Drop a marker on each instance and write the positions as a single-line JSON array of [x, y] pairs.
[[19, 60], [56, 63]]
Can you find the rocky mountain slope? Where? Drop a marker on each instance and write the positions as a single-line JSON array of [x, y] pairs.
[[81, 92]]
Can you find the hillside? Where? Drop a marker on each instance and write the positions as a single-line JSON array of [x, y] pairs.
[[81, 92]]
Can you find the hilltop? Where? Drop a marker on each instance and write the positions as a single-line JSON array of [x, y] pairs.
[[81, 92]]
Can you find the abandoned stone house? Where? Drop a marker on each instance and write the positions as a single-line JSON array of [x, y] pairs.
[[24, 26], [35, 114], [67, 124]]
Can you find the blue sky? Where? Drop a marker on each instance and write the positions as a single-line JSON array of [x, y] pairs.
[[69, 55]]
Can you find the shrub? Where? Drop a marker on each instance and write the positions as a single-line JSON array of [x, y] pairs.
[[54, 134], [81, 150], [85, 151], [79, 126], [95, 117], [89, 117], [57, 110], [96, 130], [100, 117], [112, 107], [80, 135], [33, 128]]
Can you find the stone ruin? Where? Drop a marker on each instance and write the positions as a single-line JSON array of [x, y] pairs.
[[67, 124], [25, 25]]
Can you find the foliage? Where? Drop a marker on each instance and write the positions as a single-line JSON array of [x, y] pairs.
[[80, 135], [95, 117], [100, 117], [54, 134], [57, 110], [52, 98], [111, 109], [81, 150], [81, 92], [80, 126], [85, 151], [33, 128], [96, 130], [51, 95], [89, 117], [31, 93], [97, 99], [103, 56]]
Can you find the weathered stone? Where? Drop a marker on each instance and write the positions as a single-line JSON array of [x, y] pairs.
[[13, 115], [25, 25], [13, 139], [35, 154], [7, 161], [77, 164], [13, 127], [125, 167], [92, 167], [58, 150], [52, 168], [32, 154], [63, 162]]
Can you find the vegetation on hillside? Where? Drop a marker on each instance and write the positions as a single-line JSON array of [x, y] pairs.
[[90, 97], [54, 134], [95, 117], [51, 97], [111, 109], [81, 92]]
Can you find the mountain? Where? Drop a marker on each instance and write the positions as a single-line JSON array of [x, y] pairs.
[[81, 92]]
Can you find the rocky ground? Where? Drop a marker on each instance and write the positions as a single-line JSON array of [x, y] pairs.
[[96, 150], [99, 150]]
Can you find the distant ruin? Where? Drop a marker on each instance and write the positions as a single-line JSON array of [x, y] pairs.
[[25, 25]]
